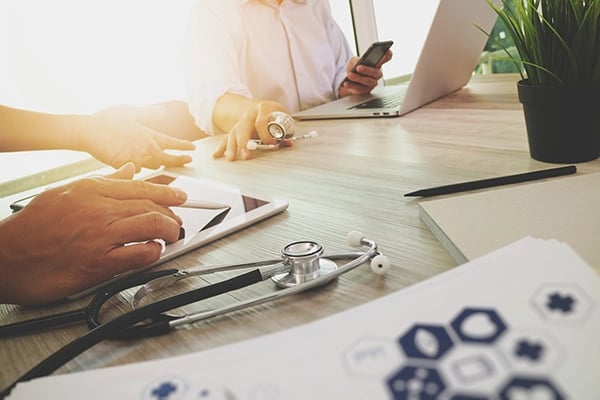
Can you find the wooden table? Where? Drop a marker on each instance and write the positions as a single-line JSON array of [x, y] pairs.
[[353, 176]]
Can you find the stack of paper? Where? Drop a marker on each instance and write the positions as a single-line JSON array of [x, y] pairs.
[[565, 208]]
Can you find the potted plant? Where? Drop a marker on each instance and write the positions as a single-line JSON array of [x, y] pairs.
[[558, 46]]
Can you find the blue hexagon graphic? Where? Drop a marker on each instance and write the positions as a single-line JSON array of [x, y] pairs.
[[478, 325], [521, 387], [426, 342], [416, 383]]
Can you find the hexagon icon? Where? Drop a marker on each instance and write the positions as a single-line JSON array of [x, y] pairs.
[[524, 387], [478, 325], [474, 368], [372, 358], [532, 350], [412, 382], [429, 342], [562, 302]]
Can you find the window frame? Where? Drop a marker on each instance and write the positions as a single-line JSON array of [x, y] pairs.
[[365, 25]]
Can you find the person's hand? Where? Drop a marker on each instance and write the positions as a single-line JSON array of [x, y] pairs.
[[73, 237], [364, 79], [115, 136], [252, 125]]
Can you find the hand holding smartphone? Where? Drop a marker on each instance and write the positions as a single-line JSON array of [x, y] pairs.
[[373, 55]]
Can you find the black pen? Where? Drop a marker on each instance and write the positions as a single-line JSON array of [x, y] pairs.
[[490, 182]]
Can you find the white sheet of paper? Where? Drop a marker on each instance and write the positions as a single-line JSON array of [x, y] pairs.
[[519, 323]]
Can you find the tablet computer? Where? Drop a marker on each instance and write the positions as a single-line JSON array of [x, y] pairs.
[[213, 210]]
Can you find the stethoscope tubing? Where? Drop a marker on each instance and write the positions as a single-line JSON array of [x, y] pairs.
[[42, 323], [361, 257], [88, 313], [124, 325], [163, 324], [110, 328], [168, 280]]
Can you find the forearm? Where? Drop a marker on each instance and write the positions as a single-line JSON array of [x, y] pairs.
[[29, 130]]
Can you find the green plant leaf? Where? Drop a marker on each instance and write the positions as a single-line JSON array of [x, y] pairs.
[[558, 41]]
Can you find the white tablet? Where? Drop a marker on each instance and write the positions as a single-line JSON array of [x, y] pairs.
[[213, 210]]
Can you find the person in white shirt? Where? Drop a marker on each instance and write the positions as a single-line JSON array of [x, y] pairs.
[[247, 58]]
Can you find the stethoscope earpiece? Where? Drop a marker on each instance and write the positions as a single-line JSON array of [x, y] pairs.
[[380, 264], [354, 238]]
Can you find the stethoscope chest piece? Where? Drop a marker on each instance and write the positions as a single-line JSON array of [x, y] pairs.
[[304, 259], [281, 126]]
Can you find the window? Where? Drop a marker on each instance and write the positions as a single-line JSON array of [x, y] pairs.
[[407, 23], [87, 56], [366, 21], [90, 54], [495, 47]]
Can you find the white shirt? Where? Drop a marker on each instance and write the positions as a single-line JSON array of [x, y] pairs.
[[293, 53]]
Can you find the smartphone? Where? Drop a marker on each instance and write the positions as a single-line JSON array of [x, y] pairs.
[[373, 55]]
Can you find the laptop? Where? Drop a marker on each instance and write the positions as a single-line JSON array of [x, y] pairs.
[[449, 55]]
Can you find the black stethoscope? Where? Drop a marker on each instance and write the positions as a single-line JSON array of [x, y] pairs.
[[301, 267]]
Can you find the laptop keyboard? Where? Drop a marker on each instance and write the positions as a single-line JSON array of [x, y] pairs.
[[389, 100]]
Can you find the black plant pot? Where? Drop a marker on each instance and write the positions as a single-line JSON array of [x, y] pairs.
[[563, 123]]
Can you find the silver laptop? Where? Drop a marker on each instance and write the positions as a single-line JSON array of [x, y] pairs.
[[449, 55]]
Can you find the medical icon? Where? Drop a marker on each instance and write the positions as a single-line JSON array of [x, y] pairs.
[[478, 325], [561, 303], [426, 342]]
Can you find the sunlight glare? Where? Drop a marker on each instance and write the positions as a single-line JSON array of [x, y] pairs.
[[80, 56]]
